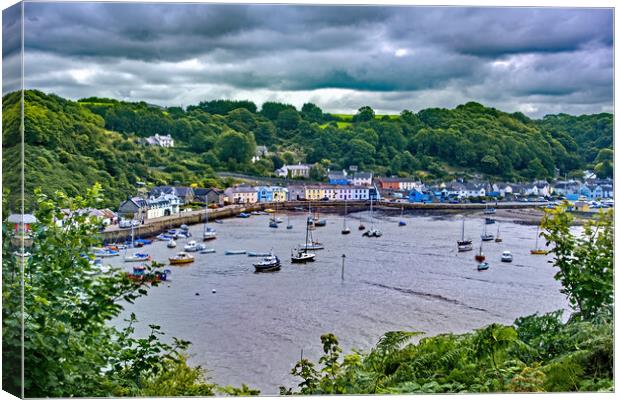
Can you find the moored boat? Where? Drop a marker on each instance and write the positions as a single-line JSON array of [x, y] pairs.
[[258, 254], [106, 253], [171, 244], [536, 250], [181, 258], [463, 244], [483, 266], [268, 264], [208, 233], [193, 246], [138, 257], [139, 273], [234, 252], [301, 255], [243, 215], [506, 256], [207, 251], [480, 257]]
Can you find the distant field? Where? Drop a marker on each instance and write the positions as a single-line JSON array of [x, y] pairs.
[[349, 117]]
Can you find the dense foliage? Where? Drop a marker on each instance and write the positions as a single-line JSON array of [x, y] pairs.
[[71, 347], [70, 145], [537, 353]]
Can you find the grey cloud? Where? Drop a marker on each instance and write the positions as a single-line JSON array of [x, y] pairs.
[[388, 57]]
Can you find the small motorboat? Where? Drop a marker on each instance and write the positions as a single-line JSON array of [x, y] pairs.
[[243, 215], [138, 257], [345, 230], [181, 258], [277, 220], [402, 223], [489, 211], [273, 224], [171, 244], [269, 210], [289, 226], [483, 266], [191, 246], [207, 251], [184, 227], [258, 254], [361, 227], [268, 264], [234, 252], [255, 213], [489, 221], [299, 256], [320, 222], [139, 273], [106, 253], [183, 235], [506, 256]]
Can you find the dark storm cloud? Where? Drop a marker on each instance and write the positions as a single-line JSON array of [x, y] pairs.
[[521, 58]]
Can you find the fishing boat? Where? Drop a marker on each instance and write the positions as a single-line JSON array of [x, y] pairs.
[[480, 257], [536, 250], [372, 232], [464, 245], [267, 264], [243, 215], [141, 257], [258, 254], [506, 256], [207, 251], [486, 237], [208, 233], [191, 246], [102, 253], [301, 255], [234, 252], [497, 238], [483, 266], [489, 221], [402, 222], [181, 258], [345, 229], [171, 244]]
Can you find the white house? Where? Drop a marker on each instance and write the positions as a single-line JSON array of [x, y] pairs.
[[160, 140], [352, 193], [361, 179], [261, 151], [294, 171]]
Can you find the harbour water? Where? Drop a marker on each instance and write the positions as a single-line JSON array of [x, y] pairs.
[[253, 328]]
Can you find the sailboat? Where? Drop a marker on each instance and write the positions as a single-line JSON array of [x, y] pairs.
[[300, 254], [318, 221], [135, 256], [274, 220], [345, 229], [372, 232], [208, 233], [536, 250], [480, 257], [497, 238], [486, 237], [464, 245], [288, 222], [402, 221]]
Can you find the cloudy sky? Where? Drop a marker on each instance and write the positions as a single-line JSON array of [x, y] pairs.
[[535, 60]]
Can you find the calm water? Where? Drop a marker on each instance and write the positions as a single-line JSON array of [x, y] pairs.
[[253, 328]]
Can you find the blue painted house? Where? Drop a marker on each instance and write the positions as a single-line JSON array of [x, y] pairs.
[[264, 194], [337, 178], [416, 196]]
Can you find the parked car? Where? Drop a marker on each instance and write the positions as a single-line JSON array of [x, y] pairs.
[[126, 223]]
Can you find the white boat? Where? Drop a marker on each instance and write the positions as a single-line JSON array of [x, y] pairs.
[[207, 251], [301, 255], [311, 246], [506, 256], [208, 233], [345, 229], [258, 254], [171, 244], [137, 257], [191, 246], [106, 253], [486, 237], [372, 232]]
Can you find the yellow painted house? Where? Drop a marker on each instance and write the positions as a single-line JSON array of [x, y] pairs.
[[315, 192]]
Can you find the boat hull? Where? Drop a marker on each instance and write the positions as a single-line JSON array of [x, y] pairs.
[[538, 252], [479, 257], [176, 262]]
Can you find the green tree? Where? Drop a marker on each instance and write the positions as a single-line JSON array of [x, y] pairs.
[[235, 146], [288, 119], [364, 114], [312, 113], [585, 263]]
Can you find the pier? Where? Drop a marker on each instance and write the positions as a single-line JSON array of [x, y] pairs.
[[155, 226]]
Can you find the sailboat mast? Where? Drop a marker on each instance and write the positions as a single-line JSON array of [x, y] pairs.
[[204, 228], [537, 228], [463, 230]]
